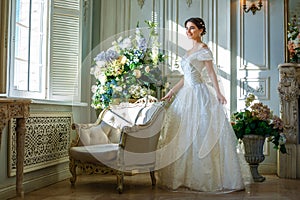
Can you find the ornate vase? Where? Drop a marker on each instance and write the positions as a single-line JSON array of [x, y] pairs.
[[253, 145]]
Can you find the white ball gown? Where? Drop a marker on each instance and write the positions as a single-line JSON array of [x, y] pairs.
[[198, 147]]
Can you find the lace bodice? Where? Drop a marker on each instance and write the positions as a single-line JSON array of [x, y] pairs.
[[194, 68]]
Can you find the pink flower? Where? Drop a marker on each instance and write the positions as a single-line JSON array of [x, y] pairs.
[[291, 47]]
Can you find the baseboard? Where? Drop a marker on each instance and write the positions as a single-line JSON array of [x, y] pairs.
[[35, 183], [267, 168]]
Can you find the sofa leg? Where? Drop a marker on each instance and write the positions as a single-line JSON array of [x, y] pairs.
[[72, 168], [153, 179], [120, 180]]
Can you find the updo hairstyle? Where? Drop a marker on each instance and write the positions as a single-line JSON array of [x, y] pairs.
[[198, 22]]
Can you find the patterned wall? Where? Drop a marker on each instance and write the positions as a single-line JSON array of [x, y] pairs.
[[46, 142]]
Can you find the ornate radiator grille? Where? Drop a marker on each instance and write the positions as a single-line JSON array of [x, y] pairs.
[[47, 141]]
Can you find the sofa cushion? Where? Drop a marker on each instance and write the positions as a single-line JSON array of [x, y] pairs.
[[103, 153], [100, 134]]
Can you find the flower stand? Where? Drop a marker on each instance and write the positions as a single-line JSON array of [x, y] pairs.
[[253, 145]]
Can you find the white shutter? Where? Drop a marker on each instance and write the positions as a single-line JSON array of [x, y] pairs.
[[65, 50]]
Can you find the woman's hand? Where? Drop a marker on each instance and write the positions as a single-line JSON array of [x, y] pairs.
[[221, 98], [168, 96]]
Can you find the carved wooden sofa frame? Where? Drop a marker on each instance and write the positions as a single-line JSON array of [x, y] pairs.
[[126, 146]]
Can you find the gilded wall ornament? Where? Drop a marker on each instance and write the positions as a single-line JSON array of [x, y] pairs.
[[141, 3]]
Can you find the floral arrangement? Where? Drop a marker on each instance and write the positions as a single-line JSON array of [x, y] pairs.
[[127, 70], [294, 41], [258, 119]]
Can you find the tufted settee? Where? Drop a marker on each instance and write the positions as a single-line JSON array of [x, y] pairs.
[[123, 139]]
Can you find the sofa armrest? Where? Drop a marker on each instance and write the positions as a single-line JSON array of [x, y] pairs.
[[152, 126]]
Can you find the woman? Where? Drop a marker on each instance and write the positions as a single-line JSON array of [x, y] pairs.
[[197, 149]]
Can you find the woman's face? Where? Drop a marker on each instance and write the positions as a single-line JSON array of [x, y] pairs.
[[192, 31]]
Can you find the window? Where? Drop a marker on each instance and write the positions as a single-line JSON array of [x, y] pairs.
[[45, 49]]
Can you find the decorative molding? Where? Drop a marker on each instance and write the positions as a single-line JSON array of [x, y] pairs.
[[265, 49], [189, 2], [47, 141], [141, 3], [257, 86], [289, 94]]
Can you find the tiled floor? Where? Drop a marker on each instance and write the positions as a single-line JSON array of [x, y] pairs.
[[98, 187]]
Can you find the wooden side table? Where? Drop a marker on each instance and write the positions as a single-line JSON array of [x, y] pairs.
[[19, 109]]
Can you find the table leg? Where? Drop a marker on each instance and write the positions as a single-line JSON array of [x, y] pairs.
[[20, 130]]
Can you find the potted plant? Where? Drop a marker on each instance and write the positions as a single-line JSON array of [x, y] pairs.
[[252, 126]]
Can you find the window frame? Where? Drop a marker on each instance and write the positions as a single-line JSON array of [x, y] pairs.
[[46, 90]]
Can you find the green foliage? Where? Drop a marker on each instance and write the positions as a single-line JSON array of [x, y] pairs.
[[258, 119]]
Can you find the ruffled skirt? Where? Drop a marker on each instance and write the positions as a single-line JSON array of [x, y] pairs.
[[198, 147]]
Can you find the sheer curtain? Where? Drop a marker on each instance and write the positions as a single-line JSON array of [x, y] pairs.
[[109, 18]]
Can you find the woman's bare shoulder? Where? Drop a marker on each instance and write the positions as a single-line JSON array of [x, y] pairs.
[[203, 45]]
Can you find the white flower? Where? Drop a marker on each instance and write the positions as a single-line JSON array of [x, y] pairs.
[[138, 38], [154, 52], [96, 71], [137, 73], [143, 92], [102, 89], [134, 90], [119, 88], [137, 31], [100, 63], [154, 55], [113, 48], [114, 43], [92, 70], [126, 43], [94, 88], [123, 59], [102, 78], [120, 39], [282, 139], [147, 69]]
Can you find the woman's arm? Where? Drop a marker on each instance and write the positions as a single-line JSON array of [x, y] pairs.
[[173, 90], [213, 77]]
